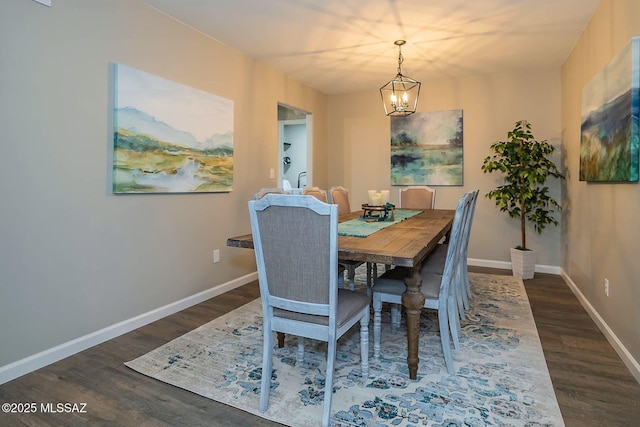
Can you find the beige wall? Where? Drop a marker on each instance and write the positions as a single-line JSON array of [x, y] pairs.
[[600, 237], [359, 140], [73, 258]]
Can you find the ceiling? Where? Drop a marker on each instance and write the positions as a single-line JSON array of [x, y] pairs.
[[343, 46]]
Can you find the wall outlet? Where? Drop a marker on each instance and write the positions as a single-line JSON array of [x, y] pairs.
[[216, 255], [606, 287], [272, 173]]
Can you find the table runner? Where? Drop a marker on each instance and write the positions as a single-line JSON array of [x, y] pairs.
[[359, 227]]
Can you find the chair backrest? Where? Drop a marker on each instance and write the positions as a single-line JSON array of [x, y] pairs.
[[468, 221], [340, 196], [454, 248], [296, 247], [316, 192], [418, 197], [264, 191]]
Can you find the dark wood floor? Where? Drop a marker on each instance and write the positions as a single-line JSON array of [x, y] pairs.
[[592, 385]]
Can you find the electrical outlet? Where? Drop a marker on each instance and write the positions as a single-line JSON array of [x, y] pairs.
[[216, 255], [606, 287], [272, 173]]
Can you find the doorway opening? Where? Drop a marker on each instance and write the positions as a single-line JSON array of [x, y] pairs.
[[294, 149]]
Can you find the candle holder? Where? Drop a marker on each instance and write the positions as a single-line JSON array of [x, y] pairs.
[[378, 213]]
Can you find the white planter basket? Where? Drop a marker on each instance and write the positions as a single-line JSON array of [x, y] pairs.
[[523, 263]]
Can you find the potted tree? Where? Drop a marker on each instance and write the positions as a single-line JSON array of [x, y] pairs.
[[524, 195]]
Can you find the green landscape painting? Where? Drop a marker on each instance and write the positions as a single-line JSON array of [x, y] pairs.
[[426, 149], [169, 138], [610, 136]]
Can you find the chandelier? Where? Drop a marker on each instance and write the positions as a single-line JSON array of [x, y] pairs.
[[400, 95]]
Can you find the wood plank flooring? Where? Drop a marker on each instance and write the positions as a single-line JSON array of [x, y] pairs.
[[592, 385]]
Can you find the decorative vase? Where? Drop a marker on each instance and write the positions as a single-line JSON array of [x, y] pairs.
[[523, 263]]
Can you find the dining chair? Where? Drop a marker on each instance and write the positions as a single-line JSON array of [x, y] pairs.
[[436, 260], [264, 191], [465, 285], [417, 197], [316, 192], [321, 195], [340, 196], [437, 288], [296, 248]]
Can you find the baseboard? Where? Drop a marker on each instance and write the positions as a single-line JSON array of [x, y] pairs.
[[46, 357], [631, 363], [504, 265]]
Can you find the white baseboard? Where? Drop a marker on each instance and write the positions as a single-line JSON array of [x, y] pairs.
[[46, 357], [504, 265], [617, 345]]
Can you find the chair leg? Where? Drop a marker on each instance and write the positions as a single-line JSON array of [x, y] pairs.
[[328, 383], [444, 338], [454, 322], [396, 315], [267, 356], [364, 346], [351, 276], [460, 292], [467, 285], [377, 321], [300, 349]]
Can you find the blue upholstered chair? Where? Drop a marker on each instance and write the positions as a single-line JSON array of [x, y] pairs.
[[296, 246], [438, 289]]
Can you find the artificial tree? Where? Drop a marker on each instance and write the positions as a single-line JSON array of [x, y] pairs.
[[526, 165]]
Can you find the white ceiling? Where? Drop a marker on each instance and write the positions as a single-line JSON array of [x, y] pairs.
[[342, 46]]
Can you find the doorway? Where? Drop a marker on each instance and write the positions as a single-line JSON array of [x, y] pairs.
[[294, 148]]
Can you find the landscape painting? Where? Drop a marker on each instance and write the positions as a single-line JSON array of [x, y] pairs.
[[610, 137], [169, 138], [426, 149]]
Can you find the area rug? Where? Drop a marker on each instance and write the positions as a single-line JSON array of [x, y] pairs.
[[501, 375]]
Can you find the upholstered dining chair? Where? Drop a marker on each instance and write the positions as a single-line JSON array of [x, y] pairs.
[[321, 195], [340, 196], [296, 248], [316, 192], [417, 197], [437, 288], [436, 261], [264, 191], [463, 276]]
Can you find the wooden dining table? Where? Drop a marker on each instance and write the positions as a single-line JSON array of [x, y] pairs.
[[406, 243]]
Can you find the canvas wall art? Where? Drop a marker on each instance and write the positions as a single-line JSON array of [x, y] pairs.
[[427, 149], [168, 137], [609, 137]]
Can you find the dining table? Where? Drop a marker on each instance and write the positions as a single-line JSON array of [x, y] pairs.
[[405, 243]]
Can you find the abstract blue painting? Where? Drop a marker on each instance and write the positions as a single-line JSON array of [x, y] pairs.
[[169, 138], [427, 149], [610, 137]]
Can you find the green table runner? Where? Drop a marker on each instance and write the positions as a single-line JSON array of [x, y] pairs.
[[359, 227]]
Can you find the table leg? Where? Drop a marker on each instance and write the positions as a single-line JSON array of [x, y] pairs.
[[413, 301]]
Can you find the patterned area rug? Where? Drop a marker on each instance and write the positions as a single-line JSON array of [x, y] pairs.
[[501, 374]]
